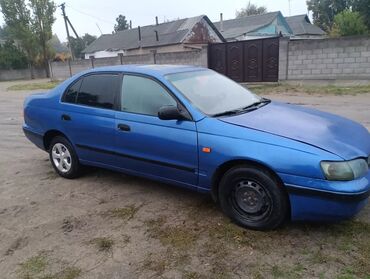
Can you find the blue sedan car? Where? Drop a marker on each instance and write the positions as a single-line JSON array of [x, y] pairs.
[[262, 161]]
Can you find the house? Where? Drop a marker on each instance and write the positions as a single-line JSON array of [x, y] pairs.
[[178, 35], [254, 27], [303, 28]]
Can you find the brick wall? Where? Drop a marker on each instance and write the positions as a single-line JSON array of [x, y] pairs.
[[63, 70], [327, 59]]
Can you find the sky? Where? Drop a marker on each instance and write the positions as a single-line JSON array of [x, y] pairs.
[[88, 16]]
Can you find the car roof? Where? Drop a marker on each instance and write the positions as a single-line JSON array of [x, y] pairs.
[[149, 69]]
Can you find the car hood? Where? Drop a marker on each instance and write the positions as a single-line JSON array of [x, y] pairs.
[[330, 132]]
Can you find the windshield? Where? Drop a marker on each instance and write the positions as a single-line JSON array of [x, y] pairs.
[[211, 92]]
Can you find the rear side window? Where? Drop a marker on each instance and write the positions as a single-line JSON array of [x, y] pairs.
[[71, 95], [99, 90]]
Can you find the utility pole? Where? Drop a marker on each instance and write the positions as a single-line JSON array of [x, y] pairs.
[[63, 6]]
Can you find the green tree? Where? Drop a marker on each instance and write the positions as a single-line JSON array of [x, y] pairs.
[[363, 7], [56, 45], [17, 17], [1, 32], [78, 45], [348, 23], [12, 57], [324, 11], [251, 9], [121, 23], [42, 21]]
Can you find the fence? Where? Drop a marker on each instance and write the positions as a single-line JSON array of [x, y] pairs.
[[345, 58], [63, 70], [6, 75]]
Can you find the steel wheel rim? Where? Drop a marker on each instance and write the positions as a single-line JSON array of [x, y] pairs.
[[61, 157], [251, 200]]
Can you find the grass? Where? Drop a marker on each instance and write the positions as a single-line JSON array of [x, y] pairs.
[[344, 247], [126, 213], [310, 89], [103, 244], [155, 264], [33, 266], [37, 268], [33, 86], [278, 271], [178, 237]]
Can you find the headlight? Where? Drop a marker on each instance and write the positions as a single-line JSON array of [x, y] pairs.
[[346, 170]]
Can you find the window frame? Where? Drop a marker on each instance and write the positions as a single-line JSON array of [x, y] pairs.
[[180, 105], [67, 89], [118, 95], [81, 78]]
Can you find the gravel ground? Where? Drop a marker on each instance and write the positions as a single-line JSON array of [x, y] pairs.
[[109, 225]]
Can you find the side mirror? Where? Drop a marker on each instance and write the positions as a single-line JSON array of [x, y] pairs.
[[171, 113]]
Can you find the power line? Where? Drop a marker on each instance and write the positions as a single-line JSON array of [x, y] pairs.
[[90, 15]]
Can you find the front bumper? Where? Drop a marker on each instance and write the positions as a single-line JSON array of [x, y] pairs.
[[323, 200]]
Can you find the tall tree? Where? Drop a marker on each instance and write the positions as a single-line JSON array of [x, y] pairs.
[[12, 57], [3, 32], [78, 45], [363, 7], [348, 23], [18, 19], [251, 9], [324, 11], [42, 21], [121, 23], [56, 45]]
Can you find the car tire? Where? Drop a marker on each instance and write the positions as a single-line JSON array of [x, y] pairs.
[[64, 158], [253, 198]]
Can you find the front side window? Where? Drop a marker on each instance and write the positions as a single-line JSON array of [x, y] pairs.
[[99, 90], [144, 96], [211, 92]]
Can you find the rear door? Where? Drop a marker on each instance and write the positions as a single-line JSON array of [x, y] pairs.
[[146, 144], [88, 118]]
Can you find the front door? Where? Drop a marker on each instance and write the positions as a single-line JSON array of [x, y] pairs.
[[164, 149]]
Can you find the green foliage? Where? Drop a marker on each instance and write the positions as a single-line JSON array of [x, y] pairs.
[[18, 19], [251, 9], [348, 23], [42, 21], [12, 57], [363, 7], [56, 45], [121, 23], [78, 45], [324, 11], [30, 25]]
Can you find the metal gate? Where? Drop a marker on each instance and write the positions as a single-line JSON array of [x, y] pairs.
[[246, 61]]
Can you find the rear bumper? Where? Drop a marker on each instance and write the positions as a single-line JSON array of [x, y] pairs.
[[34, 137], [322, 200]]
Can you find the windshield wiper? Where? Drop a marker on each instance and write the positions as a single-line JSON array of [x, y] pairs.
[[257, 105], [251, 107], [228, 112]]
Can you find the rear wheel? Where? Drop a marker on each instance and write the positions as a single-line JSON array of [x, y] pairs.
[[64, 158], [252, 198]]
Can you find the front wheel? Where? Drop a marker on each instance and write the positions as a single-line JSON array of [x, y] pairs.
[[63, 158], [252, 198]]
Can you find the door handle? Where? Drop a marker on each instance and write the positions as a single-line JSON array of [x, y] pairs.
[[66, 117], [124, 127]]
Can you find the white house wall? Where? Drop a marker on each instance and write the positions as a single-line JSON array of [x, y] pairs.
[[103, 54]]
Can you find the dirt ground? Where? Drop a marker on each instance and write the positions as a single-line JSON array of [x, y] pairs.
[[109, 225]]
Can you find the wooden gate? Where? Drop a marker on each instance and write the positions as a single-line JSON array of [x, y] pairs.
[[246, 61]]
